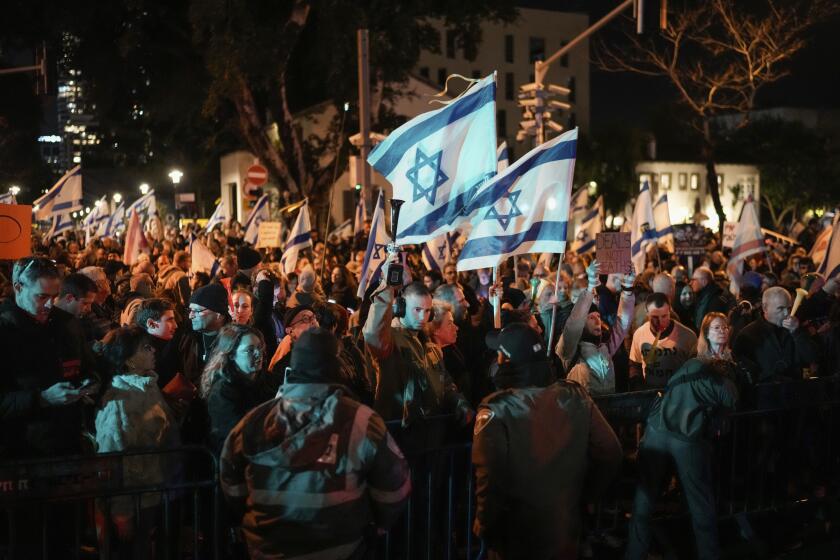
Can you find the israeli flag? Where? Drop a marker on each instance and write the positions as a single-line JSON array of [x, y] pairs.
[[261, 212], [437, 161], [344, 230], [590, 226], [7, 198], [525, 209], [830, 266], [502, 159], [642, 229], [300, 237], [662, 217], [220, 216], [436, 253], [202, 259], [109, 227], [60, 224], [377, 245], [64, 197], [360, 217], [144, 206]]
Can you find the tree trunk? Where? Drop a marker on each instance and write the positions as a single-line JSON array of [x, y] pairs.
[[711, 174]]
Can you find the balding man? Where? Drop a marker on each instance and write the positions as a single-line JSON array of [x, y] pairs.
[[773, 347], [708, 296]]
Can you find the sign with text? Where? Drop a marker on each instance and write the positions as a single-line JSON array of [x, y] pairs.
[[729, 234], [612, 249], [15, 231], [270, 234], [690, 240]]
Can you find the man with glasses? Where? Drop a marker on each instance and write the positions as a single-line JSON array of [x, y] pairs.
[[44, 383], [297, 320]]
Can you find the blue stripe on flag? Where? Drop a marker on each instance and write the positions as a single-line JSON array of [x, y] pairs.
[[662, 199], [444, 214], [664, 232], [649, 235], [592, 215], [558, 152], [586, 246], [429, 258], [302, 238], [448, 115], [503, 244]]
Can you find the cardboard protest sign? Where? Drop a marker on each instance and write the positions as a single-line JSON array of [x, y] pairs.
[[612, 249], [689, 240], [15, 231], [729, 234], [270, 235]]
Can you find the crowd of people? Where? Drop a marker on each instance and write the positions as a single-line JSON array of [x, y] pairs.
[[316, 400]]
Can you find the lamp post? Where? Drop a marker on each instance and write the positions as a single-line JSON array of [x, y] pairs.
[[175, 175], [144, 188]]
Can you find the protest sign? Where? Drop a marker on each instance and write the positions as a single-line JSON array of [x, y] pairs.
[[612, 249], [270, 234], [689, 240], [729, 234], [15, 231]]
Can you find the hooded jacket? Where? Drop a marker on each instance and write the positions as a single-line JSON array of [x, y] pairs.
[[538, 447], [311, 472]]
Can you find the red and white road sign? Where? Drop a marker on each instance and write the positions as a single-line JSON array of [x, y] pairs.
[[257, 175]]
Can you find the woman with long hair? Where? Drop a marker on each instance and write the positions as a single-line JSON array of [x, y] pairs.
[[234, 380], [133, 417], [714, 342], [343, 288]]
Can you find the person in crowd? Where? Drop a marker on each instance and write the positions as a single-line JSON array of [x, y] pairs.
[[773, 347], [208, 313], [748, 306], [76, 297], [173, 281], [586, 357], [676, 431], [443, 330], [331, 455], [297, 321], [354, 371], [412, 379], [708, 296], [242, 309], [156, 316], [307, 292], [343, 288], [432, 279], [234, 380], [609, 295], [531, 479], [134, 416], [660, 346], [101, 317]]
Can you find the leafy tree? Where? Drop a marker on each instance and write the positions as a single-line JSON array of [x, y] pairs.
[[718, 54]]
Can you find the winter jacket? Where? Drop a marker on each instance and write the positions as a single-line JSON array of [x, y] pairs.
[[537, 451], [174, 280], [411, 378], [772, 353], [311, 472], [230, 398], [35, 357], [135, 417], [711, 298], [587, 362]]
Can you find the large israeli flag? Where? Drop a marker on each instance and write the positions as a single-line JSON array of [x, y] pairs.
[[60, 224], [525, 209], [300, 237], [377, 245], [64, 197], [261, 212], [662, 217], [109, 227], [590, 226], [642, 229], [220, 216], [144, 206], [438, 160]]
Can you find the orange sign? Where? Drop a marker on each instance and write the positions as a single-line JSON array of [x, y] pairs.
[[15, 231]]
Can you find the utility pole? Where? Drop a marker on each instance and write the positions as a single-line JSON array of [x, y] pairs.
[[364, 109]]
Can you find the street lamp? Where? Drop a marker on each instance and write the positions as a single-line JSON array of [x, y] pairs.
[[14, 189], [144, 188], [117, 198], [176, 175]]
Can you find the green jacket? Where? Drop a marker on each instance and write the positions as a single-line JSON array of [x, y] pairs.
[[536, 450]]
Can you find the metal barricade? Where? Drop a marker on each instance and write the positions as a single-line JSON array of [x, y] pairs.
[[61, 507]]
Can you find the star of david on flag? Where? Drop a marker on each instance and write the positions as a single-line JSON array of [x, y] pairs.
[[375, 254], [436, 252], [524, 209], [437, 161]]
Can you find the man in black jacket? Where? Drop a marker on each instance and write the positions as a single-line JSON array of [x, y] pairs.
[[708, 296]]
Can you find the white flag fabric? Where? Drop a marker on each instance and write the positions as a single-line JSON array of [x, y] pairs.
[[114, 223], [220, 216], [642, 229], [578, 209], [64, 197], [749, 240], [525, 209], [299, 238], [144, 206], [261, 212], [502, 158], [344, 230], [662, 218], [135, 241], [436, 252], [202, 259], [359, 218], [590, 226], [7, 198], [437, 161], [60, 223], [376, 252], [817, 253], [830, 266]]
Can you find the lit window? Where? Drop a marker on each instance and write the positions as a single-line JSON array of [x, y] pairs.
[[645, 178], [695, 181], [665, 181]]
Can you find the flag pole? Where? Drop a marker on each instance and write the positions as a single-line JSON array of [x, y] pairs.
[[554, 306]]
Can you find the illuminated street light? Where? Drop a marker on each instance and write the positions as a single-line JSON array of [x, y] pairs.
[[176, 175], [14, 189], [117, 198], [144, 188]]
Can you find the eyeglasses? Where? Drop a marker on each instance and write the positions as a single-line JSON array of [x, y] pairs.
[[194, 311], [305, 319]]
